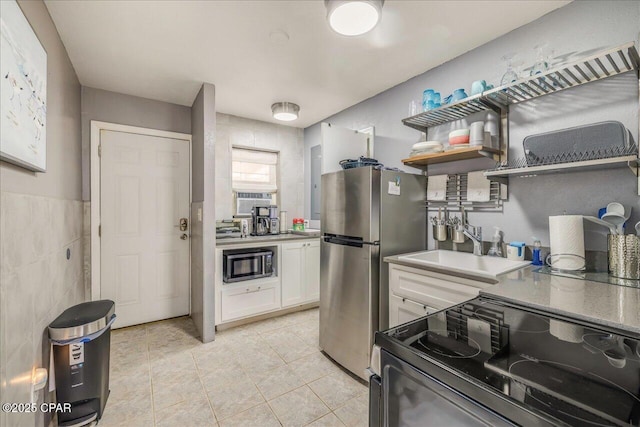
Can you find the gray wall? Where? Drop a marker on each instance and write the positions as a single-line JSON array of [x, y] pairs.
[[575, 29], [203, 125], [113, 107], [41, 217]]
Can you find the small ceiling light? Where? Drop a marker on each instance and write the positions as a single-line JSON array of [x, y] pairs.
[[285, 111], [353, 17], [279, 37]]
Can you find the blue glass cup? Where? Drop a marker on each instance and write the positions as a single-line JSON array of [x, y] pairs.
[[459, 94], [427, 96]]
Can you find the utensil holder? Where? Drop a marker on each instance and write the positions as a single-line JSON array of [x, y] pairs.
[[440, 232], [624, 256], [457, 236]]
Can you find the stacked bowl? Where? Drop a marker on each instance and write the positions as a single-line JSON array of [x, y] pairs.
[[459, 138]]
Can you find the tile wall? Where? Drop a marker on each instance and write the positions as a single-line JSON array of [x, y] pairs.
[[37, 282], [288, 141]]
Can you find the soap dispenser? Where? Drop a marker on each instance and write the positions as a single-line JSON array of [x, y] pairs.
[[537, 256], [496, 245]]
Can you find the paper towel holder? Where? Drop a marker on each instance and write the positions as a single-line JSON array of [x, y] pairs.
[[549, 261]]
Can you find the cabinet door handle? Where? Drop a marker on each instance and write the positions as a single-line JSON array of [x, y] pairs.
[[255, 290]]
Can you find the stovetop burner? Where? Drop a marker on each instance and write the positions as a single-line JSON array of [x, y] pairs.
[[592, 380]]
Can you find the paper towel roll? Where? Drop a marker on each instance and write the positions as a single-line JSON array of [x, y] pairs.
[[566, 235]]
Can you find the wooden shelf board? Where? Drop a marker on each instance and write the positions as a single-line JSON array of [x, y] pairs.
[[475, 152]]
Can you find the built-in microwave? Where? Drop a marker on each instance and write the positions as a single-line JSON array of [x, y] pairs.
[[247, 264]]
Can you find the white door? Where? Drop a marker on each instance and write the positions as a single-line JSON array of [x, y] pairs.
[[144, 195], [312, 267], [292, 273]]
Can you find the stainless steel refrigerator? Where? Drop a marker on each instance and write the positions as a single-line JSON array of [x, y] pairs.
[[366, 214]]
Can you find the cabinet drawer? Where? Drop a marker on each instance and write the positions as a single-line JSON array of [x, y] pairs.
[[402, 310], [249, 300], [435, 290]]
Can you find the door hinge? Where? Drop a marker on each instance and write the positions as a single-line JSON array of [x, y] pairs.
[[100, 231], [100, 150]]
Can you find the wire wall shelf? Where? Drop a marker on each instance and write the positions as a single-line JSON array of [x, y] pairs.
[[602, 65]]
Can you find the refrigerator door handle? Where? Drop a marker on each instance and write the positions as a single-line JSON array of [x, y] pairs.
[[349, 241]]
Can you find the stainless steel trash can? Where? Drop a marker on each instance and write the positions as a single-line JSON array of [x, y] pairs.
[[81, 338]]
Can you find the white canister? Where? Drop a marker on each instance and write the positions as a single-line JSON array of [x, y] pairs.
[[515, 251], [476, 133], [283, 221]]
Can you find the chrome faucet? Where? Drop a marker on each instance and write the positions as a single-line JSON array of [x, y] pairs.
[[475, 235]]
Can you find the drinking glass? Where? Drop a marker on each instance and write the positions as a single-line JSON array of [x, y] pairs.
[[510, 75], [541, 65], [415, 107]]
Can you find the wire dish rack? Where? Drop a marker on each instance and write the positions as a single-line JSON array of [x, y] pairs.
[[530, 164], [458, 317]]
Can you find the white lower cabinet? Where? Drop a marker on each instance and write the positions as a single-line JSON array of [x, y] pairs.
[[312, 271], [415, 292], [242, 301], [300, 272], [402, 310], [297, 282]]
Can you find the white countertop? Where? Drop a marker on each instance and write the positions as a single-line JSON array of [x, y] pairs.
[[273, 238], [599, 303]]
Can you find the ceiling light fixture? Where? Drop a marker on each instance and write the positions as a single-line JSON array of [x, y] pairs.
[[279, 37], [353, 17], [285, 111]]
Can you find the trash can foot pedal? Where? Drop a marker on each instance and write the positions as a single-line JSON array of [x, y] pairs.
[[83, 421]]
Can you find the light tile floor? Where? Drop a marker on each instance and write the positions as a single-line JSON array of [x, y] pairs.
[[269, 373]]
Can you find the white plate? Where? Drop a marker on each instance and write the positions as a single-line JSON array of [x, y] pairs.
[[415, 153], [426, 144], [458, 146]]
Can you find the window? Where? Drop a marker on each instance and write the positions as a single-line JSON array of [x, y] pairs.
[[254, 170]]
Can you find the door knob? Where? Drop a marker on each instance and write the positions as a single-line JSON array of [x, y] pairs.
[[184, 224], [184, 237]]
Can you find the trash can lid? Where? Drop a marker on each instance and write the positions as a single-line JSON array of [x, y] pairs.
[[82, 320]]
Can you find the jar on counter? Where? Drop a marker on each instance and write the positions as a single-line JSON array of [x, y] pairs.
[[298, 224], [283, 222]]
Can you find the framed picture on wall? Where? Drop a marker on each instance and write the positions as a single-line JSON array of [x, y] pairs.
[[23, 91]]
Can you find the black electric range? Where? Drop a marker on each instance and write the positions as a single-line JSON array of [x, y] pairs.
[[521, 366]]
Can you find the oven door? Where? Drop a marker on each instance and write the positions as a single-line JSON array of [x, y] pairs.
[[247, 266], [412, 398]]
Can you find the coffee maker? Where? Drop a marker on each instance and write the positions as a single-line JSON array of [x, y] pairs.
[[265, 220]]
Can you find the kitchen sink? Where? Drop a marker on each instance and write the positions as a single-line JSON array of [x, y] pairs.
[[466, 263]]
